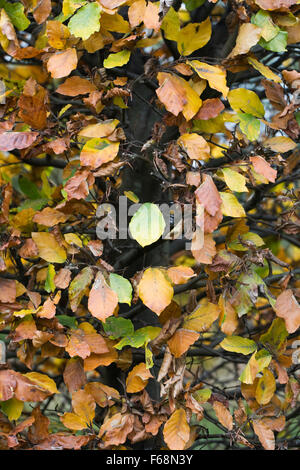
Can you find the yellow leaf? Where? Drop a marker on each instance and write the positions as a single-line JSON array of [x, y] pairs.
[[238, 344], [195, 146], [177, 95], [246, 101], [48, 247], [231, 206], [155, 290], [266, 387], [280, 144], [176, 430], [193, 36], [216, 76], [202, 318], [264, 70], [117, 60], [234, 180], [12, 408], [42, 381], [98, 151], [73, 421]]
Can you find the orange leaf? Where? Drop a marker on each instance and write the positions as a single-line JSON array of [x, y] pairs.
[[74, 86], [264, 434], [62, 63], [262, 167], [137, 378], [176, 430], [102, 299], [155, 290], [287, 307], [223, 415], [180, 274], [180, 342]]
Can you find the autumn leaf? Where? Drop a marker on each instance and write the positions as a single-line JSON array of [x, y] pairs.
[[155, 290], [48, 247], [287, 307], [137, 378], [176, 430], [102, 299], [180, 342], [62, 63], [223, 415]]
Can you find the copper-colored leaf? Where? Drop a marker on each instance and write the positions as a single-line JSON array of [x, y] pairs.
[[177, 430], [155, 290], [137, 378], [62, 63], [102, 299], [223, 415], [180, 342], [287, 307]]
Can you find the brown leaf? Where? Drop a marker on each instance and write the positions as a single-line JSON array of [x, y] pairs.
[[77, 187], [180, 274], [8, 290], [74, 86], [16, 140], [62, 63], [208, 195], [210, 109], [49, 217], [62, 278], [207, 252], [264, 434], [102, 394], [114, 430], [38, 431], [223, 415], [287, 307], [42, 11], [74, 375], [33, 105]]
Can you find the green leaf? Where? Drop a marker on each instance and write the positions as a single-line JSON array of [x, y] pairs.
[[12, 408], [202, 395], [122, 287], [49, 283], [264, 20], [249, 125], [193, 4], [86, 21], [15, 11], [246, 237], [139, 338], [278, 44], [117, 327], [28, 188], [67, 321], [117, 60], [238, 344], [135, 340], [147, 225], [276, 334]]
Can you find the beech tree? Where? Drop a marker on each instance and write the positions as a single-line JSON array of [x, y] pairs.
[[125, 326]]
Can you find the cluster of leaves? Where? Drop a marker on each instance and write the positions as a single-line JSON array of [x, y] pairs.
[[141, 338]]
